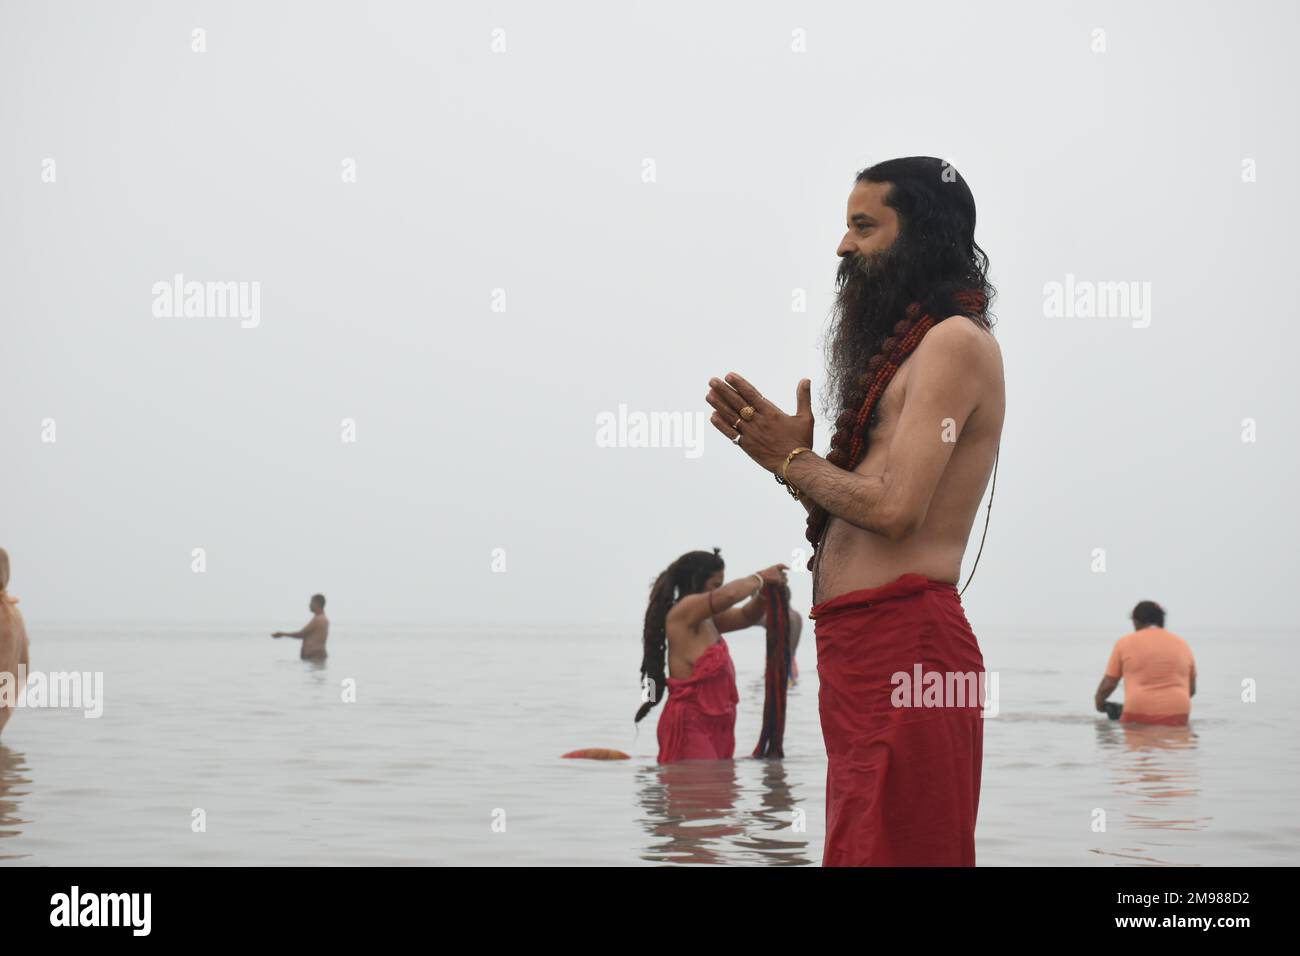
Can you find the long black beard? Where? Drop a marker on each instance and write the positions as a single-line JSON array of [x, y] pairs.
[[869, 301]]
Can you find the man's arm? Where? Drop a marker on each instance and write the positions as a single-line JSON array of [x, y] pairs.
[[311, 626], [949, 370], [1111, 676], [1104, 690]]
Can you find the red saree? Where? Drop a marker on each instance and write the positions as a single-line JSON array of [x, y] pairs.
[[699, 719]]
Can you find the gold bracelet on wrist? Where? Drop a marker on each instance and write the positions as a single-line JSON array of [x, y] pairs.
[[784, 480]]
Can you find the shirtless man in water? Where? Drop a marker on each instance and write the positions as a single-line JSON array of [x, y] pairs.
[[916, 378], [15, 653], [314, 634]]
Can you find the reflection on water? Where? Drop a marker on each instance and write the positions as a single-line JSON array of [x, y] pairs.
[[13, 787], [400, 749], [772, 833], [1152, 772], [693, 812], [689, 810]]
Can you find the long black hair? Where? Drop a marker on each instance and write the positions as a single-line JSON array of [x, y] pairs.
[[933, 259], [687, 575]]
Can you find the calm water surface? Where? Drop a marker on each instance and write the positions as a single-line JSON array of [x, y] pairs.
[[451, 732]]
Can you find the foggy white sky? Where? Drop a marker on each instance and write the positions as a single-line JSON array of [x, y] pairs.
[[523, 171]]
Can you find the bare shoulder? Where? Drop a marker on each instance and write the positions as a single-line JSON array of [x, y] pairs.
[[20, 625], [962, 338], [960, 351], [690, 607]]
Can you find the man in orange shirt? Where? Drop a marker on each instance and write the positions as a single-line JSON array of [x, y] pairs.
[[1158, 670]]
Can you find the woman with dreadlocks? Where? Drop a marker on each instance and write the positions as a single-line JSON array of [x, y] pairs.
[[690, 609]]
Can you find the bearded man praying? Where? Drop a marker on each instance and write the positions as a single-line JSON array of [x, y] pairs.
[[916, 382]]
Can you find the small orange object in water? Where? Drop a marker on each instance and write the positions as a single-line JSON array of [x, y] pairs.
[[596, 753]]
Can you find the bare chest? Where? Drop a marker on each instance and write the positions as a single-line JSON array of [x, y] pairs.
[[880, 426], [884, 417]]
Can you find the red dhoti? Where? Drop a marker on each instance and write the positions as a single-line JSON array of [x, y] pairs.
[[904, 748], [699, 719]]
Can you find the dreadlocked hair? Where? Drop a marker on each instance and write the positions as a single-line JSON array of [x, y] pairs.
[[948, 275], [687, 575]]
